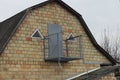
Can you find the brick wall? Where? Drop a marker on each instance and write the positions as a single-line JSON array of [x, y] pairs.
[[23, 59], [107, 77]]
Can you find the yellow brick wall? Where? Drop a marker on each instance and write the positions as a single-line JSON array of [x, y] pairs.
[[23, 57], [107, 77]]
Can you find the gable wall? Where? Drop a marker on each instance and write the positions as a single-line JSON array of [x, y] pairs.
[[22, 59]]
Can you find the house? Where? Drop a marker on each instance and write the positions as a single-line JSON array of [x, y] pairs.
[[51, 41]]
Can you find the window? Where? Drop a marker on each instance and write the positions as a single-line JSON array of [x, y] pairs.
[[37, 34], [71, 37]]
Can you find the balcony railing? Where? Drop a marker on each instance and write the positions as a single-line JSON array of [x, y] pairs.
[[70, 50]]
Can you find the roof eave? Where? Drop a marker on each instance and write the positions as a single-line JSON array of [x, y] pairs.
[[92, 39], [14, 30]]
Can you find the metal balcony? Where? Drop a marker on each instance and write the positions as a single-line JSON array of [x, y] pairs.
[[63, 51]]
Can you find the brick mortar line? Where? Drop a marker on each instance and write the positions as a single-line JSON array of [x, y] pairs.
[[23, 62]]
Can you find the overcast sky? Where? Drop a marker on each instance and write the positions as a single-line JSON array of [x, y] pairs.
[[98, 14]]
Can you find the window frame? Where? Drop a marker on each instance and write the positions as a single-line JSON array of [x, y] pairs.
[[40, 34], [73, 36]]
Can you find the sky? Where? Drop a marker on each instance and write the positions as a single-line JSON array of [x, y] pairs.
[[98, 14]]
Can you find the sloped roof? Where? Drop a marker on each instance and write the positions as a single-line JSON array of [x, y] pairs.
[[103, 71], [9, 26]]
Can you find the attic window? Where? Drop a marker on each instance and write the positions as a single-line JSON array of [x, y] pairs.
[[37, 34], [71, 37]]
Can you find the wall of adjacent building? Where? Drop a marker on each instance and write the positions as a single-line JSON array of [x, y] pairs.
[[23, 57], [107, 77]]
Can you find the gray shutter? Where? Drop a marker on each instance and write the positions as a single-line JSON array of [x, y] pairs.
[[55, 41]]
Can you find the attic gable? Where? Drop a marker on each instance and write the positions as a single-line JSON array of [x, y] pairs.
[[4, 41]]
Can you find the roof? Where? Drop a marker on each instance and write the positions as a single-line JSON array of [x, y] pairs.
[[9, 26], [103, 71]]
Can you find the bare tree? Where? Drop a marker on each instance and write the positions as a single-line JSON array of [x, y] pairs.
[[111, 45], [106, 42], [116, 49]]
